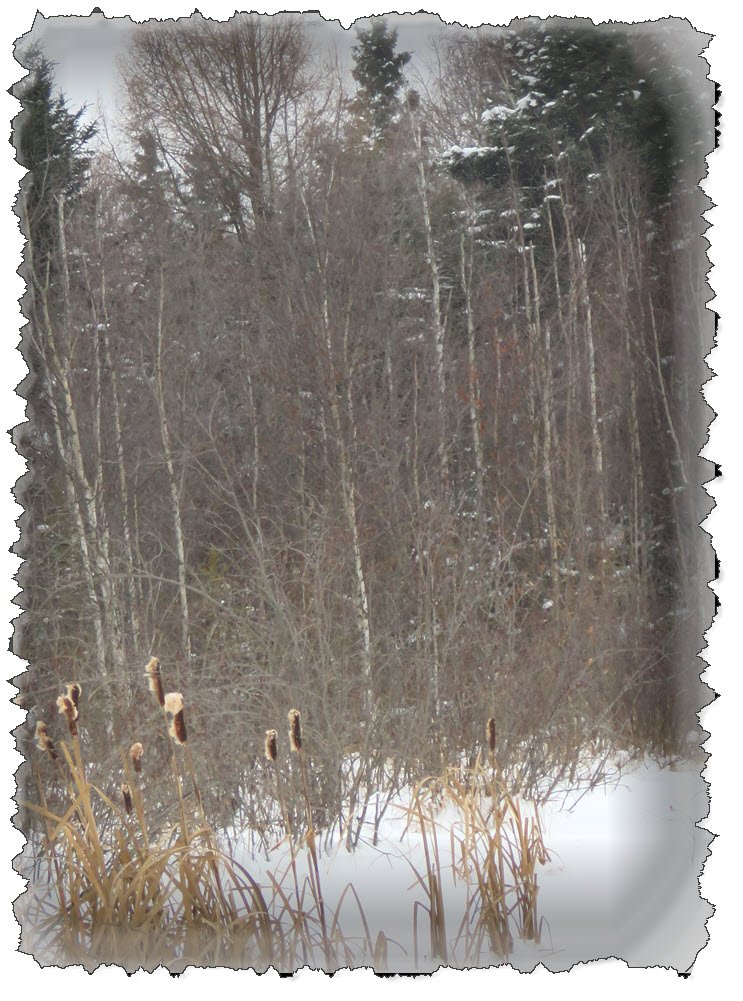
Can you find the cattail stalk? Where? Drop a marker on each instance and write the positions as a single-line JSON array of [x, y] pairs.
[[270, 750], [126, 795], [152, 673], [74, 691], [490, 736], [136, 751], [271, 747], [295, 730], [172, 705], [295, 739], [132, 760], [66, 708], [43, 741], [178, 729]]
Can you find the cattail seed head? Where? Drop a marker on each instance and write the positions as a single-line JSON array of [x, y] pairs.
[[66, 708], [173, 703], [177, 728], [490, 733], [271, 748], [44, 741], [135, 755], [295, 730], [74, 691], [152, 673], [127, 797]]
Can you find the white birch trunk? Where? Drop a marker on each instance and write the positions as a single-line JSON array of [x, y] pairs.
[[175, 503]]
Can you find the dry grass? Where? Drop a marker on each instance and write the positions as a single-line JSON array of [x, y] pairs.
[[122, 893], [495, 850]]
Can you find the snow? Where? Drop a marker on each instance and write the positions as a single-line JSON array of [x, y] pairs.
[[497, 114], [465, 152], [621, 879]]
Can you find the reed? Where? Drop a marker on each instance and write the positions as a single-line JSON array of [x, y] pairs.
[[295, 740], [495, 849], [121, 893]]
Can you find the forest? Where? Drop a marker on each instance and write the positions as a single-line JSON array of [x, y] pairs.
[[367, 392]]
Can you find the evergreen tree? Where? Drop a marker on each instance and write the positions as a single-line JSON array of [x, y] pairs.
[[378, 70], [51, 145], [578, 94]]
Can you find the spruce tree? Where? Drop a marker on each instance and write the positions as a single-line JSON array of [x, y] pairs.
[[576, 93], [378, 70], [51, 145]]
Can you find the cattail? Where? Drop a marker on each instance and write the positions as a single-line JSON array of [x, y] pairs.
[[271, 748], [127, 796], [490, 733], [177, 728], [173, 705], [44, 741], [152, 673], [74, 691], [67, 709], [295, 730], [135, 754]]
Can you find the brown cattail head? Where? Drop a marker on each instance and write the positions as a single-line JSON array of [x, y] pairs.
[[173, 703], [490, 733], [74, 691], [127, 796], [152, 673], [44, 741], [178, 728], [67, 709], [271, 748], [295, 730], [135, 755]]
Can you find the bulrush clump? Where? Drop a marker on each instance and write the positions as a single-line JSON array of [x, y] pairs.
[[135, 756], [173, 705], [490, 733], [295, 730], [44, 741], [271, 747], [126, 794], [66, 708], [74, 691], [152, 673]]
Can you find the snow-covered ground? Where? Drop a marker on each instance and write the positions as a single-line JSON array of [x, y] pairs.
[[621, 880]]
